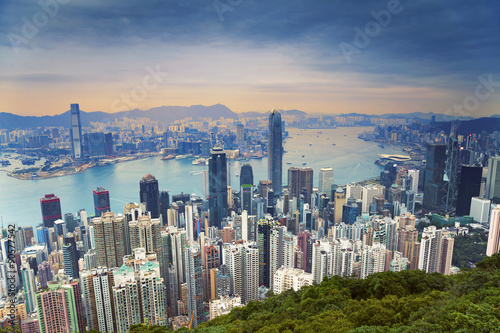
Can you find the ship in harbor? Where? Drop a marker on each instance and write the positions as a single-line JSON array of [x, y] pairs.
[[201, 161]]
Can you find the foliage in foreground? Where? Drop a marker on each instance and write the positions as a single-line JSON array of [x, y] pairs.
[[410, 301]]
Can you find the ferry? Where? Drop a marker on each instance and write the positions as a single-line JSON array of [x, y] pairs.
[[180, 157], [167, 157], [200, 161]]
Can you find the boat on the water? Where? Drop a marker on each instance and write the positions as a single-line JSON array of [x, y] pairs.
[[200, 161], [167, 157]]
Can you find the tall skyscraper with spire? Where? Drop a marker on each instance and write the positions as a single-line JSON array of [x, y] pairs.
[[275, 152], [76, 132], [217, 183]]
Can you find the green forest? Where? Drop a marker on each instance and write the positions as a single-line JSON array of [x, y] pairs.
[[409, 301]]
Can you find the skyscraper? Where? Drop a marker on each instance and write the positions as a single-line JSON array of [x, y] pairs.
[[298, 180], [101, 201], [246, 174], [164, 206], [70, 255], [95, 145], [76, 132], [28, 278], [51, 209], [493, 178], [494, 234], [150, 195], [217, 174], [240, 135], [468, 187], [434, 172], [108, 235], [275, 152], [194, 280], [325, 180]]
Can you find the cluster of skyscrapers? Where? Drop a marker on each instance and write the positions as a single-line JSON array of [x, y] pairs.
[[181, 259]]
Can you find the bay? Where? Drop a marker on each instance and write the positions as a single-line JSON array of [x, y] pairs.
[[351, 158]]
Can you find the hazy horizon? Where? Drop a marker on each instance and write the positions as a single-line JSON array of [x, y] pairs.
[[331, 57]]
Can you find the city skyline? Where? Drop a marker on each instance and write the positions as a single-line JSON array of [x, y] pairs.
[[316, 57]]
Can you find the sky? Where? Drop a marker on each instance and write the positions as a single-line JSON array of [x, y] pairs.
[[321, 56]]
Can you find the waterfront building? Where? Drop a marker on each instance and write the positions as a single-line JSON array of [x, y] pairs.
[[101, 201], [51, 209], [76, 132]]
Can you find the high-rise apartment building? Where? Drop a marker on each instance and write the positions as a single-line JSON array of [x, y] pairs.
[[194, 281], [373, 259], [57, 310], [291, 278], [325, 180], [494, 234], [76, 132], [217, 174], [97, 292], [436, 251], [101, 201], [282, 245], [149, 194], [51, 209], [109, 243], [275, 152]]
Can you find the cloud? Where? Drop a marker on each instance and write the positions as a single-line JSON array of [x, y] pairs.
[[444, 45]]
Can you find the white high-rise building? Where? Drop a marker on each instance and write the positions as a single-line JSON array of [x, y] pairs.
[[480, 209], [205, 184], [493, 178], [96, 286], [291, 278], [436, 251], [127, 309], [373, 259], [369, 192], [494, 234], [282, 247], [355, 191], [325, 180], [242, 261], [189, 223], [194, 281], [414, 174]]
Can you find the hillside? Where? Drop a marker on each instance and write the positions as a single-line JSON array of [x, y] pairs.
[[409, 301]]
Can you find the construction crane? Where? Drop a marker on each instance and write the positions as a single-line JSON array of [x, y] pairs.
[[191, 321]]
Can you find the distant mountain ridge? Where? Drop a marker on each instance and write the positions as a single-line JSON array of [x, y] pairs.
[[163, 114], [167, 114]]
